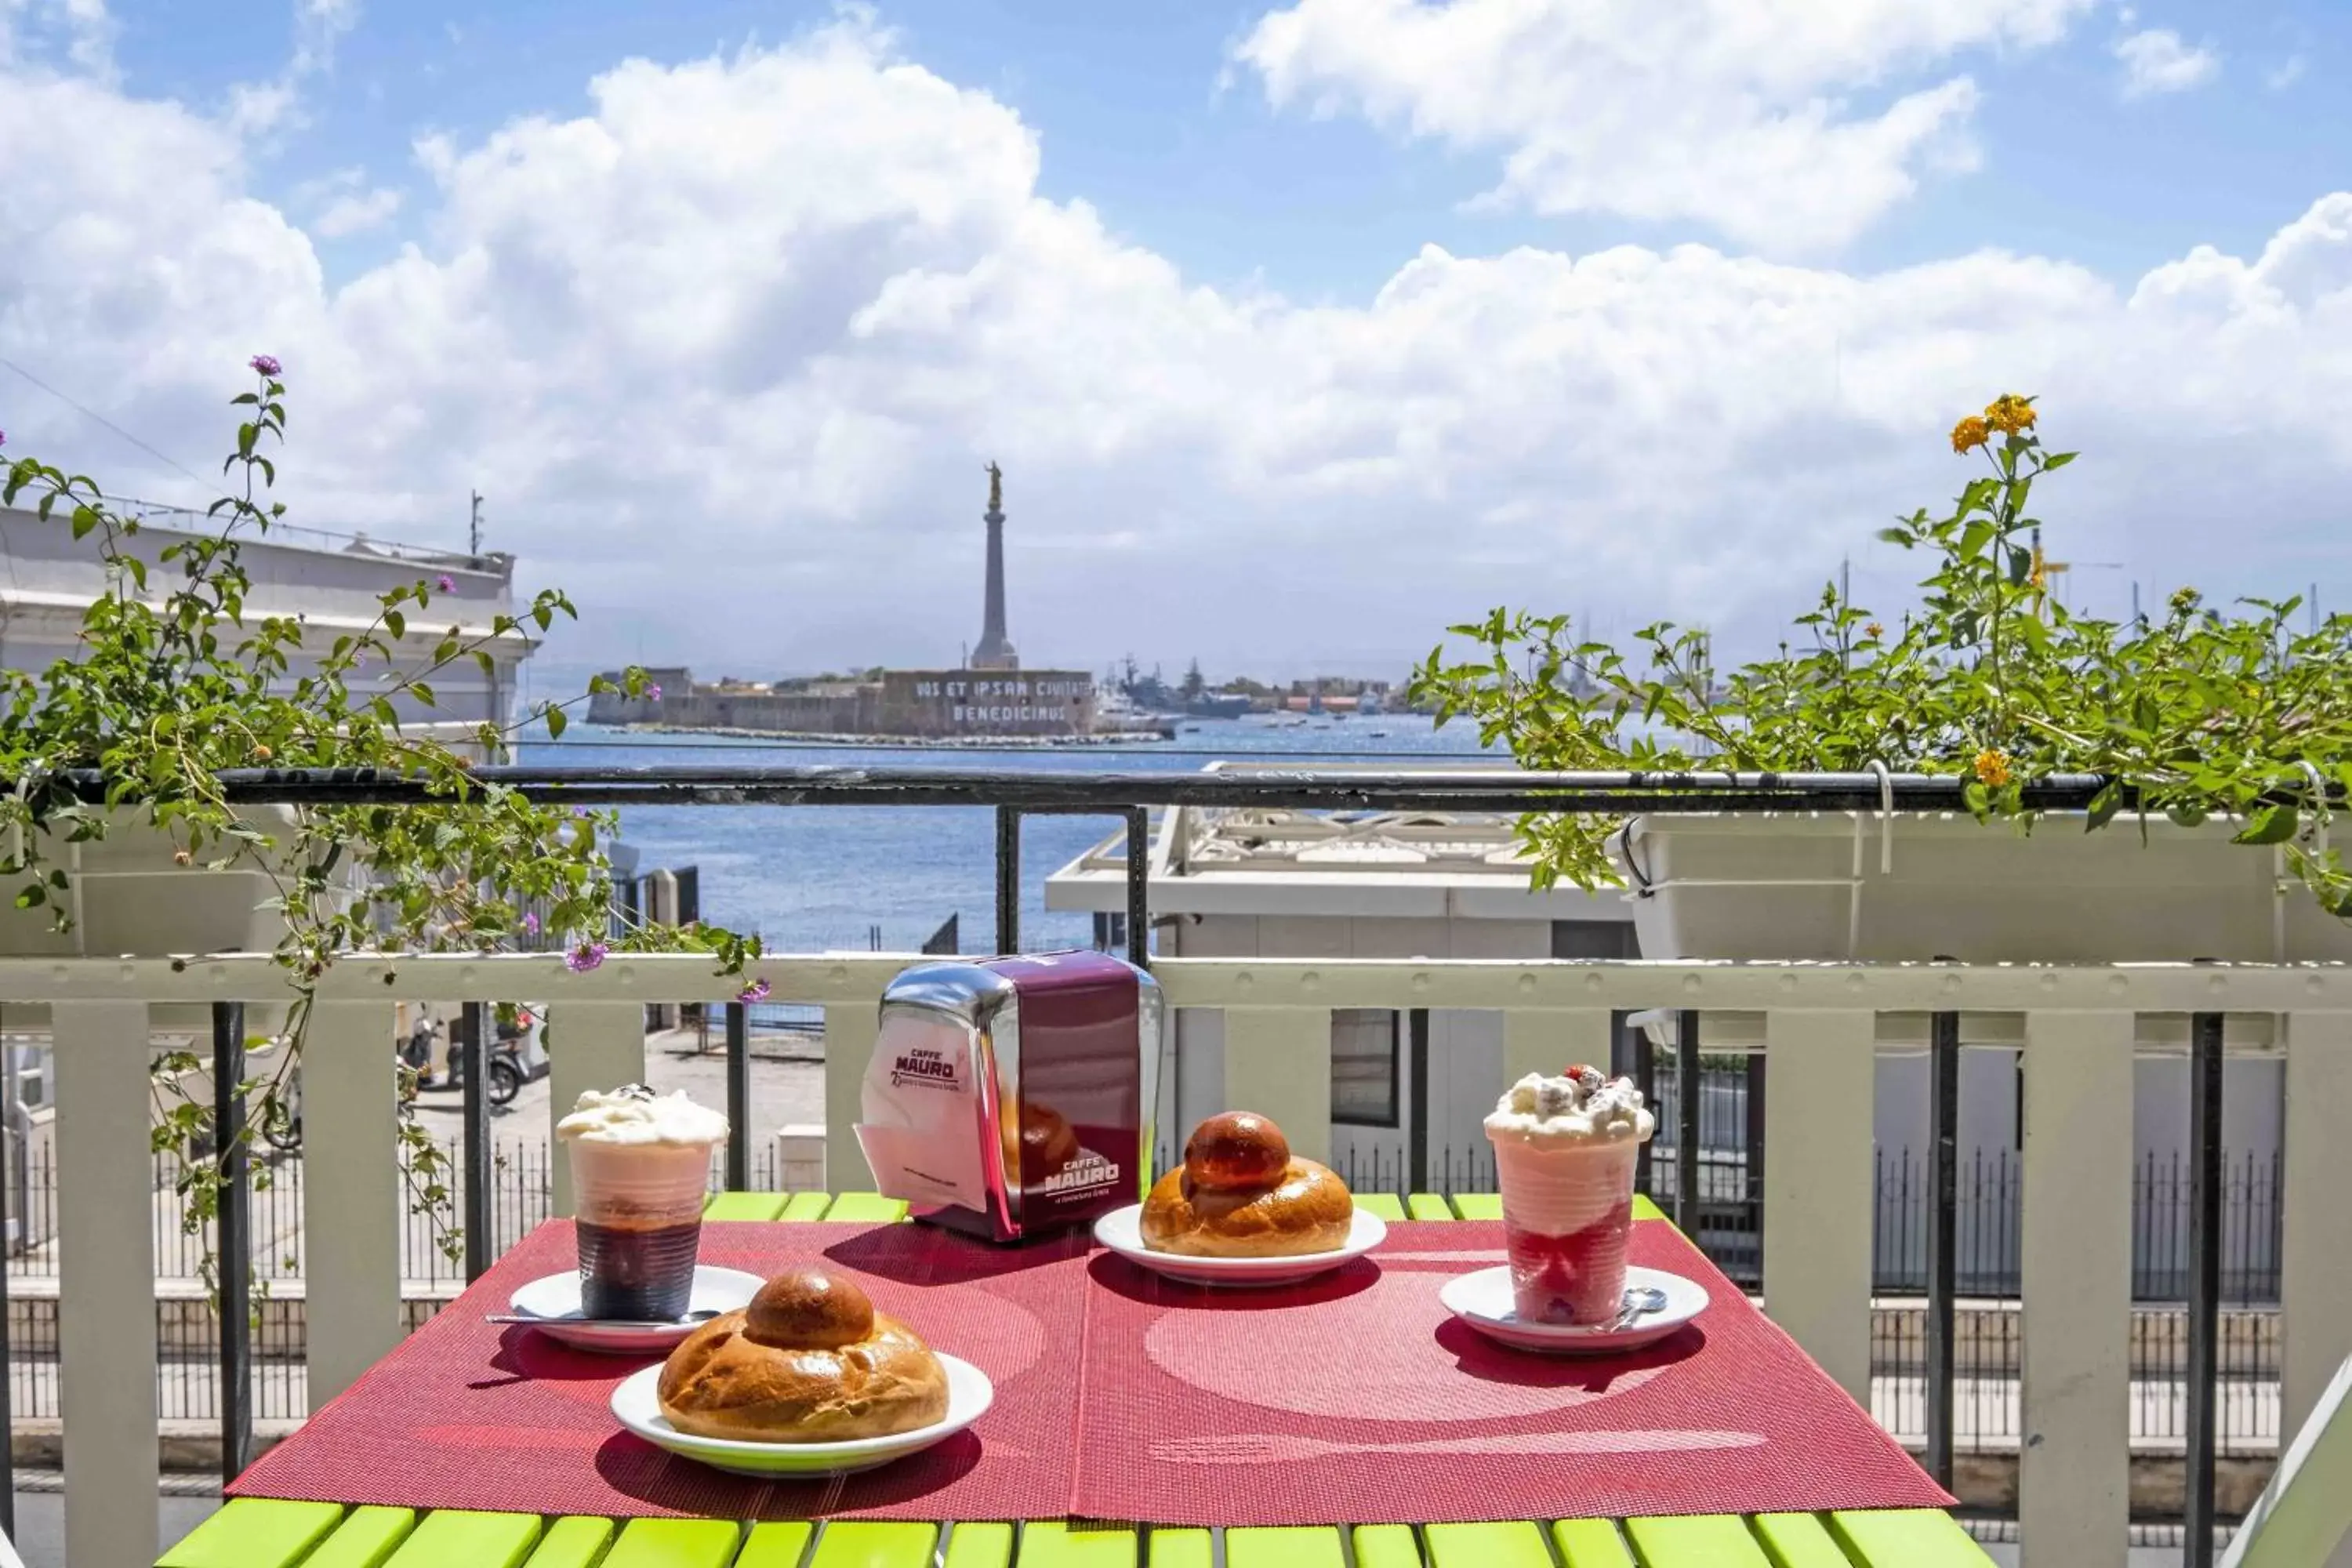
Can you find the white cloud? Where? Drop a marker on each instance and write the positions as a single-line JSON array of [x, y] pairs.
[[356, 213], [1788, 125], [2286, 74], [259, 109], [2156, 60], [82, 29], [736, 396], [318, 26]]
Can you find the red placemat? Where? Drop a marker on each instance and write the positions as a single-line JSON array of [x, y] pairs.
[[1358, 1399], [1354, 1399], [470, 1415]]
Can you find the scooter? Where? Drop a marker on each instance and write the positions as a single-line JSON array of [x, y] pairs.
[[505, 1067], [506, 1064], [416, 1051]]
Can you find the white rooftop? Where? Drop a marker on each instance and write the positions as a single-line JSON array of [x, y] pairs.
[[1250, 860]]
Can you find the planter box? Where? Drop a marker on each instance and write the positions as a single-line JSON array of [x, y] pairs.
[[131, 900], [1809, 886]]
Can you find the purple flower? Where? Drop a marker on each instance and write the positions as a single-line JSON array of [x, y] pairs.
[[755, 991], [446, 583], [588, 955], [267, 364], [531, 922], [654, 692]]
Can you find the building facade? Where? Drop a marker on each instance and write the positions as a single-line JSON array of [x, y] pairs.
[[924, 704]]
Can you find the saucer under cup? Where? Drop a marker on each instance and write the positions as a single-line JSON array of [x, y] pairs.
[[1484, 1301], [552, 1304], [1121, 1231], [637, 1405]]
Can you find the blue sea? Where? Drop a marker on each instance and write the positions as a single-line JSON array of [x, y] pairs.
[[810, 877]]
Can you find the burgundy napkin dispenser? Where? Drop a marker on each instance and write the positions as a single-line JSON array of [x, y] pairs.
[[1011, 1097]]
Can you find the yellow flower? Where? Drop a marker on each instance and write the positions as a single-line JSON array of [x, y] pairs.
[[1970, 434], [1874, 630], [1993, 767], [2009, 414]]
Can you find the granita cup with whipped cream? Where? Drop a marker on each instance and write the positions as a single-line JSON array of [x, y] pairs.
[[1564, 1154], [640, 1164]]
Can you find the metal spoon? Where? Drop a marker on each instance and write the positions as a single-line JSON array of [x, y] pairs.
[[1638, 1300], [701, 1315]]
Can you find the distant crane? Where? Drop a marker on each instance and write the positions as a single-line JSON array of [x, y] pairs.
[[2044, 569]]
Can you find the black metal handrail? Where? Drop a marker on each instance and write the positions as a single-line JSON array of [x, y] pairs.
[[1496, 788]]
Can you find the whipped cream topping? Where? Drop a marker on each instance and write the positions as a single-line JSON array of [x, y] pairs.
[[635, 1114], [1582, 1105]]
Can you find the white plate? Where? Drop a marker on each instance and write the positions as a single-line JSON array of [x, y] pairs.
[[1483, 1301], [555, 1303], [637, 1402], [1121, 1230]]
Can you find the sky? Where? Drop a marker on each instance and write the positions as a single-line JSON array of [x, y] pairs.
[[1301, 331]]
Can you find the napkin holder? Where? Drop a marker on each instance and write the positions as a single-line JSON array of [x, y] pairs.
[[1012, 1098]]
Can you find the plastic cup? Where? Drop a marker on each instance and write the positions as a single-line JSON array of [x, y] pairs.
[[639, 1212], [1568, 1208]]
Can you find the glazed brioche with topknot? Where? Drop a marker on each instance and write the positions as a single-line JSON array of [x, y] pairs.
[[809, 1361], [1242, 1193]]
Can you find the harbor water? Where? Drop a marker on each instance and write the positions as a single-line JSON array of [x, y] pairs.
[[819, 879]]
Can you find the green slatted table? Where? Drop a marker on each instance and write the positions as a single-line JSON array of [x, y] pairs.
[[252, 1532]]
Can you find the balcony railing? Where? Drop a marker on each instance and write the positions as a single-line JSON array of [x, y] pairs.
[[1822, 1027]]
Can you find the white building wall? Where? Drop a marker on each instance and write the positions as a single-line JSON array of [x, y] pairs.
[[51, 577]]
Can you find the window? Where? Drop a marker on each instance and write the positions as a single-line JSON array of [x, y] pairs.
[[1592, 939], [1364, 1076]]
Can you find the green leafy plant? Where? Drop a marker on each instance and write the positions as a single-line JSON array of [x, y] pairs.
[[2191, 715], [175, 684]]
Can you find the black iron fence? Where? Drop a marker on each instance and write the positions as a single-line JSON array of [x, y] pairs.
[[1988, 1206]]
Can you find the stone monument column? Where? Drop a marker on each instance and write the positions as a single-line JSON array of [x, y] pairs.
[[995, 650]]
